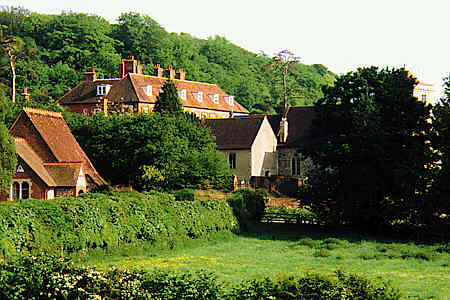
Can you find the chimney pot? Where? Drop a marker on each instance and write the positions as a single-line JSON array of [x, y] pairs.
[[171, 73], [90, 74], [129, 65], [181, 75]]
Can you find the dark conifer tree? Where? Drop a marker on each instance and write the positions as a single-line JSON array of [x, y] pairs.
[[168, 100]]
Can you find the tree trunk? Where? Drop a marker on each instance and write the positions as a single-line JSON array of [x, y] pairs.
[[13, 70]]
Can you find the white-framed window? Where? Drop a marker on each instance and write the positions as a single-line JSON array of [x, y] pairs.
[[198, 96], [147, 90], [19, 169], [295, 166], [50, 194], [232, 160], [214, 98], [182, 94], [229, 99], [103, 89], [145, 109], [20, 189]]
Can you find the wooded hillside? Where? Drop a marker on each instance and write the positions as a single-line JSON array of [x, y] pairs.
[[51, 53]]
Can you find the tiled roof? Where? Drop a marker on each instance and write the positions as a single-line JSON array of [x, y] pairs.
[[235, 133], [58, 137], [299, 121], [25, 152], [129, 89], [65, 174], [85, 92]]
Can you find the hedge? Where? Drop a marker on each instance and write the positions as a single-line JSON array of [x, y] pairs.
[[46, 277], [99, 220]]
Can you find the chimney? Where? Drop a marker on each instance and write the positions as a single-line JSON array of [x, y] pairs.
[[283, 132], [159, 71], [129, 65], [26, 95], [181, 75], [171, 73], [90, 75]]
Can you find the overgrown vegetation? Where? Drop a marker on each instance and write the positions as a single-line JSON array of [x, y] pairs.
[[65, 225], [248, 205], [46, 277]]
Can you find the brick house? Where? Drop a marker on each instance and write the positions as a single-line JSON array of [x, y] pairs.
[[50, 161], [135, 92]]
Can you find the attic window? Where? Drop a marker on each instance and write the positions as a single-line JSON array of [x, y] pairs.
[[147, 90], [214, 98], [20, 169], [230, 100], [182, 94], [198, 96], [103, 89]]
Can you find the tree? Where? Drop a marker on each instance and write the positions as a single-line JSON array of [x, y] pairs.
[[158, 151], [8, 160], [168, 100], [374, 137], [10, 45], [441, 143], [284, 62]]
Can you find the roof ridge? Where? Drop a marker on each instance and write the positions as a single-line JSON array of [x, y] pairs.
[[61, 163], [174, 79], [42, 112]]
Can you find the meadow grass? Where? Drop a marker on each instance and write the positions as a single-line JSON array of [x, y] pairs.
[[419, 271]]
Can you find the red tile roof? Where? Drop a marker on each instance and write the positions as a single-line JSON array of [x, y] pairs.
[[56, 134]]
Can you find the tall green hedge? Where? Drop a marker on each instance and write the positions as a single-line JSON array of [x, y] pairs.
[[99, 220]]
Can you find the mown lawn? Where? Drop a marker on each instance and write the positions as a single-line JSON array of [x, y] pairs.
[[419, 271]]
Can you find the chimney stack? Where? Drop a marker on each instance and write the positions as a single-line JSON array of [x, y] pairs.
[[171, 73], [129, 65], [283, 133], [181, 75], [26, 95], [159, 71], [90, 75]]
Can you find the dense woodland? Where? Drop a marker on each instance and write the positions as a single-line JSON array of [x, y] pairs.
[[51, 53]]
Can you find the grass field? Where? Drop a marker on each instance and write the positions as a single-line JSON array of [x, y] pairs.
[[419, 271]]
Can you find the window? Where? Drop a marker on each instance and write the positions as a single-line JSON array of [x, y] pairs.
[[20, 190], [232, 160], [295, 166], [212, 116], [214, 98], [97, 110], [198, 96], [145, 109], [182, 94], [85, 111], [147, 90], [230, 100], [103, 89], [19, 169]]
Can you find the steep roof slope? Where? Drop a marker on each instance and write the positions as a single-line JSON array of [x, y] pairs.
[[57, 136], [235, 133]]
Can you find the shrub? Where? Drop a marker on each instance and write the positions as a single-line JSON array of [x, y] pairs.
[[49, 277], [309, 242], [184, 195], [108, 221], [322, 253], [248, 205]]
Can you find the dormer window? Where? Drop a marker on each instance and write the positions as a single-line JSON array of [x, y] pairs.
[[230, 100], [182, 94], [214, 98], [198, 96], [103, 89], [147, 90]]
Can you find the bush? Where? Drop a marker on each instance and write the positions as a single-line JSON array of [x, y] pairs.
[[248, 205], [184, 195], [48, 277], [108, 221]]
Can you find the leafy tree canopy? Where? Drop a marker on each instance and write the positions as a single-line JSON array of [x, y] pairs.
[[168, 100], [375, 141], [8, 160]]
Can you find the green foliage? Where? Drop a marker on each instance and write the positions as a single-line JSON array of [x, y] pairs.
[[373, 150], [156, 151], [108, 221], [248, 205], [56, 50], [8, 159], [45, 277], [184, 195], [168, 100]]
